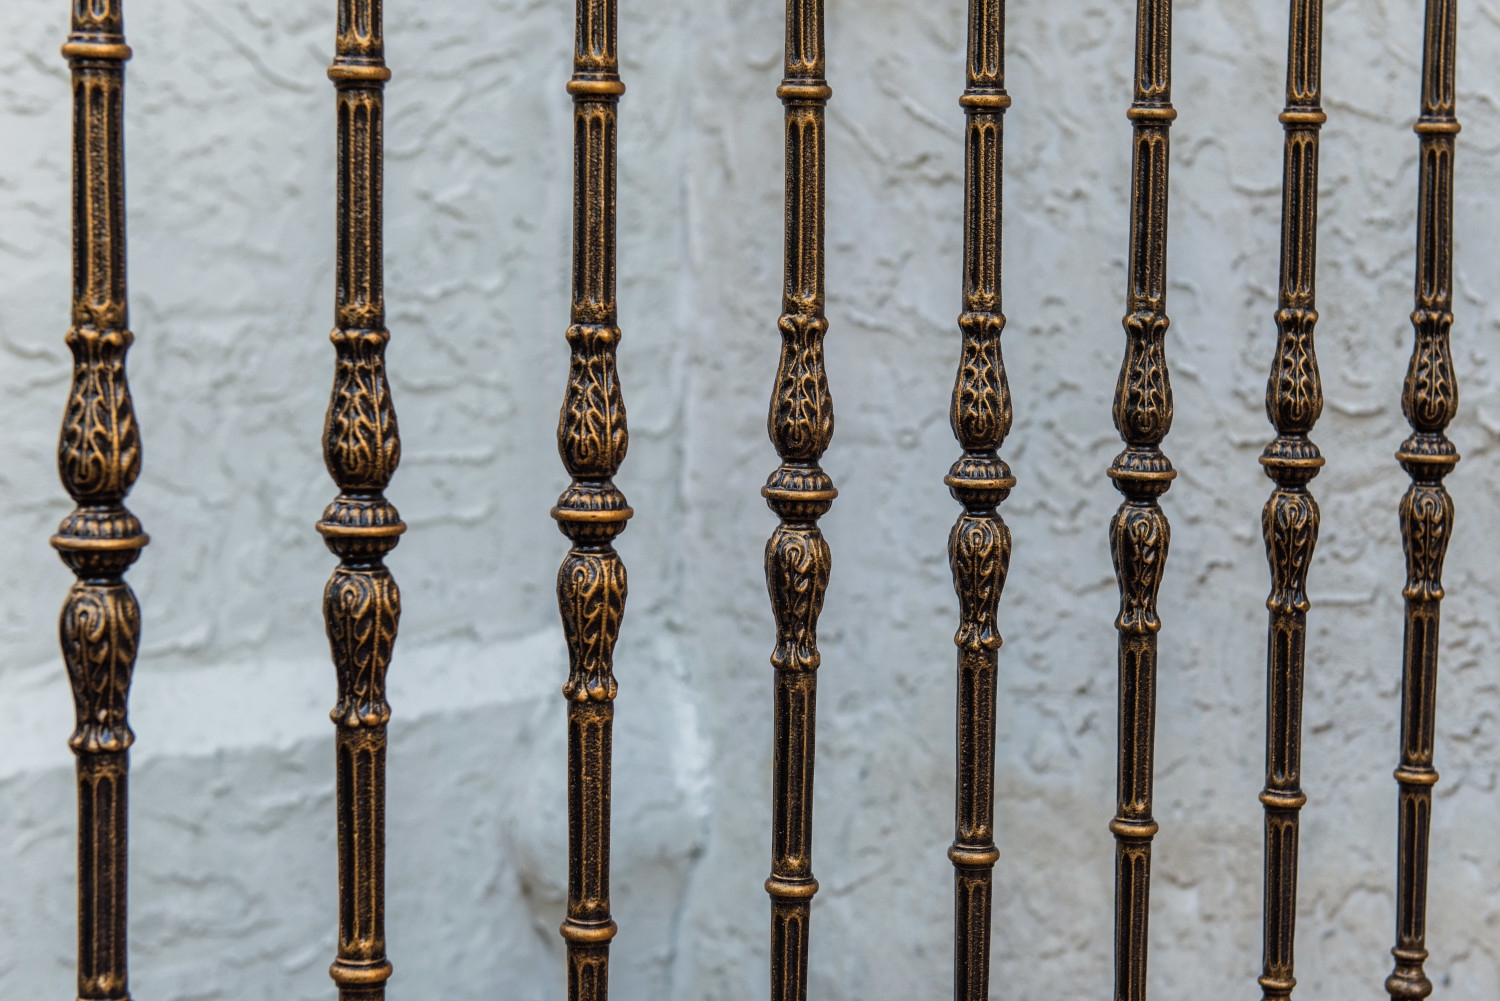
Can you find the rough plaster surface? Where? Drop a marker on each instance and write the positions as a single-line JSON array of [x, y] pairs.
[[230, 145]]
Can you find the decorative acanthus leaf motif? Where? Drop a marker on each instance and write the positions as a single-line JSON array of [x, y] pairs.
[[981, 409], [1294, 391], [979, 554], [591, 590], [361, 440], [800, 422], [1429, 398], [100, 632], [1426, 526], [798, 563], [591, 430], [362, 610], [1289, 523], [1143, 395], [99, 451], [1138, 539]]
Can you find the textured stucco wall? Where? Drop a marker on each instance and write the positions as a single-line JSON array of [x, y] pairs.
[[230, 147]]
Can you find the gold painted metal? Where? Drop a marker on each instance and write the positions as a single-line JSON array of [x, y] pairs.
[[1294, 401], [800, 424], [979, 545], [362, 447], [98, 460], [1430, 402], [592, 439], [1139, 534]]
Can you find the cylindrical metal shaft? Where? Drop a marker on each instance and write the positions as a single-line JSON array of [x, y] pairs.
[[98, 459], [800, 424], [1294, 400], [1430, 402], [592, 439], [362, 447], [1139, 534], [979, 545]]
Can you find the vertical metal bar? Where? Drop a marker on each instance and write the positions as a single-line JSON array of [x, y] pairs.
[[592, 439], [98, 459], [362, 447], [979, 545], [1139, 533], [1430, 402], [800, 424], [1294, 401]]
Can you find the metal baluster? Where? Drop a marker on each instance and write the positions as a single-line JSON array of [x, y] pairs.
[[592, 512], [1139, 534], [98, 459], [800, 424], [1294, 401], [979, 546], [362, 447], [1430, 402]]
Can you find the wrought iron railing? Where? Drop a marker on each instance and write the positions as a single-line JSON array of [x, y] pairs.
[[99, 459]]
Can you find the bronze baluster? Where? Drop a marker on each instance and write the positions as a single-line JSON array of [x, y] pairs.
[[1139, 534], [1294, 400], [800, 424], [98, 459], [979, 545], [1430, 402], [362, 447], [592, 512]]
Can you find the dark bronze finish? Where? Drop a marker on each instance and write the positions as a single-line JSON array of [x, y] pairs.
[[800, 424], [1139, 534], [979, 545], [592, 512], [362, 447], [98, 459], [1430, 402], [1294, 401]]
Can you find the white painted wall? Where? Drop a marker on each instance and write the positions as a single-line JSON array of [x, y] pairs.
[[230, 154]]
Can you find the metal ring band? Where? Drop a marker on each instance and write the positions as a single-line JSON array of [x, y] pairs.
[[74, 543], [974, 858], [1151, 113], [1275, 800], [1415, 777], [360, 976], [357, 73], [1300, 117], [592, 517], [582, 934], [1424, 127], [328, 529], [804, 91], [117, 51], [988, 101], [1140, 830], [790, 889], [596, 88]]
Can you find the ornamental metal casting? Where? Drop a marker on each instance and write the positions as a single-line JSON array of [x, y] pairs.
[[592, 439], [1139, 534], [362, 447], [1294, 401], [98, 459], [1429, 401], [800, 424], [979, 545]]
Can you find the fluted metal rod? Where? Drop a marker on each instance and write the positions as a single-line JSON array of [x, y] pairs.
[[98, 459], [1430, 402], [592, 512], [800, 424], [1294, 400], [1139, 534], [979, 545], [362, 447]]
